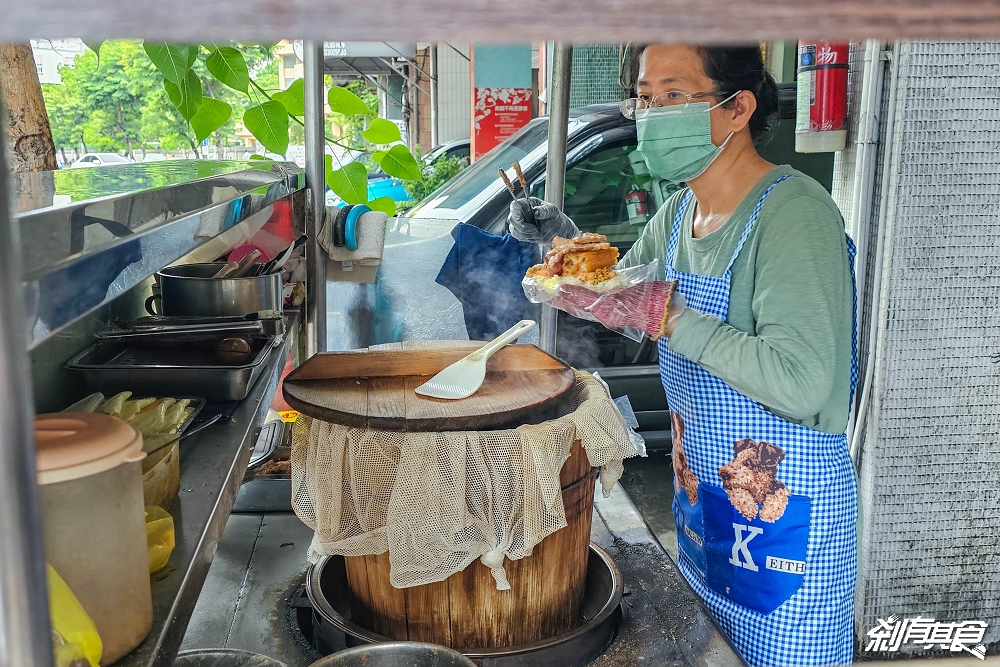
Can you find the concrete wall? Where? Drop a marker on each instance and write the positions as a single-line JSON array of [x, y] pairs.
[[931, 448]]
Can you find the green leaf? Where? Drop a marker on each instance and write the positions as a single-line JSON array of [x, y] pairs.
[[268, 123], [382, 131], [171, 59], [212, 115], [343, 101], [258, 156], [398, 161], [292, 98], [96, 48], [384, 204], [187, 97], [350, 183], [193, 50], [228, 66]]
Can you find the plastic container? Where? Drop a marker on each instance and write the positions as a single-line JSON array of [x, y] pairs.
[[161, 476], [94, 521]]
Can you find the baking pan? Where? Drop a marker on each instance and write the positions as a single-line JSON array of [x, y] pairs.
[[193, 369]]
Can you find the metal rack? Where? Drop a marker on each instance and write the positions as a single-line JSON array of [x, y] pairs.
[[90, 235], [212, 467], [86, 238]]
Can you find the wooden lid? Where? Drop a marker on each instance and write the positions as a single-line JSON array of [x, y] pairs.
[[374, 388]]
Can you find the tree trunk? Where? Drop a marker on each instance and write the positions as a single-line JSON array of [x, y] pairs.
[[28, 128]]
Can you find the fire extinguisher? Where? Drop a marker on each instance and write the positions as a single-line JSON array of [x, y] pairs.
[[821, 104], [635, 202]]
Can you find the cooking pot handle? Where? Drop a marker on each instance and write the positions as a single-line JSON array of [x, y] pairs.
[[149, 304]]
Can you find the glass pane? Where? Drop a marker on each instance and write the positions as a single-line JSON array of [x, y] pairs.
[[604, 194], [462, 196]]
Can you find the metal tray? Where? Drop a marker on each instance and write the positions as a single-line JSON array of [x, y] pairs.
[[197, 402], [111, 368]]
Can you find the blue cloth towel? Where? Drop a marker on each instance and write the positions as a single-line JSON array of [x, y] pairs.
[[484, 272]]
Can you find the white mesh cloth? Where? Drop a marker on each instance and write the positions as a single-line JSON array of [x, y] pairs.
[[438, 501]]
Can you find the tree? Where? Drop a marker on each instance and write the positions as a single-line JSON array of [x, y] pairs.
[[350, 127], [28, 129], [270, 114], [108, 103]]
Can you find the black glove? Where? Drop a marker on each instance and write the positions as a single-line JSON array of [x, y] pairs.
[[542, 223]]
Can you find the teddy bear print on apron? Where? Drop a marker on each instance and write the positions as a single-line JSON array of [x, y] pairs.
[[765, 509]]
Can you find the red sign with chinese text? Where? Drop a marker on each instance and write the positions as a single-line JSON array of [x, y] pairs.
[[498, 113]]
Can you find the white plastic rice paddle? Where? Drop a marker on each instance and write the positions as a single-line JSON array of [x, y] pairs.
[[464, 377]]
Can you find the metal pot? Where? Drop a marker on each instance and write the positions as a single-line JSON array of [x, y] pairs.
[[191, 290], [396, 654]]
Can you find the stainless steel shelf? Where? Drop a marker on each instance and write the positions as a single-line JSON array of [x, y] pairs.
[[212, 467], [89, 235]]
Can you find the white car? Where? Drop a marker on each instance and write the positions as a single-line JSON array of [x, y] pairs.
[[99, 160]]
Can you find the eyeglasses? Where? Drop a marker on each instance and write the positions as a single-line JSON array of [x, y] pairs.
[[670, 98]]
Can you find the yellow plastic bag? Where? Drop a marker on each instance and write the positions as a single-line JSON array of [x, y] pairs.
[[75, 641], [159, 537]]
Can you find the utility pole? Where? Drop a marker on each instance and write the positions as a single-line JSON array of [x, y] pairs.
[[555, 164]]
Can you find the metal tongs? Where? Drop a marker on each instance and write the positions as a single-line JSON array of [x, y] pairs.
[[529, 212]]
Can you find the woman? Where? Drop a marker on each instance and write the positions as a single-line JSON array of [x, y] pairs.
[[757, 358]]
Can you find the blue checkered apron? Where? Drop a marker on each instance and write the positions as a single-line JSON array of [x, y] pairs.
[[776, 569]]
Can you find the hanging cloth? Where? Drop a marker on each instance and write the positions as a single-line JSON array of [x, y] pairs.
[[484, 272]]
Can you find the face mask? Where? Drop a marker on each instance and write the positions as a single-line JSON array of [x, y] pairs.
[[676, 142]]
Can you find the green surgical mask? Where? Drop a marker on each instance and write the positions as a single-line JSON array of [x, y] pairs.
[[676, 142]]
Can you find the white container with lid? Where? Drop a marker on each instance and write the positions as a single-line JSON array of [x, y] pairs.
[[94, 521]]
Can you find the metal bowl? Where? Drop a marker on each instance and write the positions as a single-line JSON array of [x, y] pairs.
[[223, 657], [326, 586], [396, 654]]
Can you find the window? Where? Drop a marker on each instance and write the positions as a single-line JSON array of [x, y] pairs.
[[596, 191], [289, 61]]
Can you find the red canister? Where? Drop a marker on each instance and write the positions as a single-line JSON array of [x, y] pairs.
[[821, 105]]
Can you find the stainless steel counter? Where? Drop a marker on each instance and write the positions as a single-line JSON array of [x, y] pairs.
[[89, 235], [213, 463]]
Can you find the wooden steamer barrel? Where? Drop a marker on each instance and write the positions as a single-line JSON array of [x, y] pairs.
[[374, 389]]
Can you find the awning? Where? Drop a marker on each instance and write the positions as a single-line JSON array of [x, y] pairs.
[[352, 59]]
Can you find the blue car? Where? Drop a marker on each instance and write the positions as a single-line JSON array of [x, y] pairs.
[[380, 184]]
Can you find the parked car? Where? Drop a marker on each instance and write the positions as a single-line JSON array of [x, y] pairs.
[[460, 148], [603, 167], [99, 160]]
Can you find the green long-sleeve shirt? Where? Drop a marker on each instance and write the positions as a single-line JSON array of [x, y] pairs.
[[786, 342]]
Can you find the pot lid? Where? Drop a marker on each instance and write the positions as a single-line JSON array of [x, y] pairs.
[[74, 445]]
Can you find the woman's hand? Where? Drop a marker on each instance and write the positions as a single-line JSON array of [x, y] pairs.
[[539, 222]]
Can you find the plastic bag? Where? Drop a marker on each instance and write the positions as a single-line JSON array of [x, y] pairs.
[[553, 292], [159, 537], [75, 641]]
